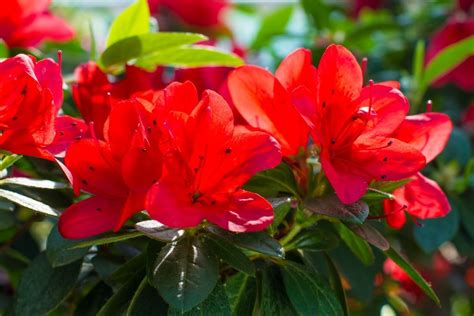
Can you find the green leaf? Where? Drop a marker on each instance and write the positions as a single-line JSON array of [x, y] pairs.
[[318, 10], [188, 57], [418, 62], [273, 181], [434, 232], [144, 45], [126, 271], [107, 239], [314, 239], [92, 302], [58, 251], [309, 294], [217, 303], [335, 279], [134, 20], [29, 203], [281, 208], [272, 25], [119, 302], [4, 52], [412, 273], [357, 245], [331, 206], [185, 273], [446, 60], [33, 183], [7, 219], [371, 235], [9, 161], [458, 148], [158, 231], [273, 301], [230, 254], [260, 242], [147, 301], [43, 287], [242, 291]]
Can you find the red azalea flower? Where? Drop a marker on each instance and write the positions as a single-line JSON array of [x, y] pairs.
[[94, 94], [30, 96], [421, 197], [465, 5], [353, 126], [118, 171], [358, 5], [206, 167], [199, 13], [28, 23], [265, 101], [456, 29]]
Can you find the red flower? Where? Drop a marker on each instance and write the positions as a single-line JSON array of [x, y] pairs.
[[28, 23], [30, 96], [94, 94], [207, 165], [465, 5], [118, 171], [265, 101], [199, 13], [359, 5], [353, 126], [456, 29], [421, 197]]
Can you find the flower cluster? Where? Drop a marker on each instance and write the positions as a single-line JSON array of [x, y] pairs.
[[184, 159]]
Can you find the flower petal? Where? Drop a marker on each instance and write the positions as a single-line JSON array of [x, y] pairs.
[[297, 70]]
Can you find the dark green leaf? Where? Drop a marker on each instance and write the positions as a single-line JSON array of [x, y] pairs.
[[356, 244], [58, 251], [272, 25], [230, 254], [260, 241], [331, 206], [335, 279], [134, 20], [158, 231], [141, 46], [458, 148], [271, 182], [371, 235], [185, 273], [29, 203], [189, 56], [281, 208], [104, 266], [147, 302], [412, 273], [314, 239], [434, 232], [273, 301], [90, 304], [107, 239], [242, 291], [119, 302], [43, 287], [127, 270], [7, 219], [309, 294], [217, 303]]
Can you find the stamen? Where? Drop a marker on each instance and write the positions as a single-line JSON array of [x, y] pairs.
[[429, 106]]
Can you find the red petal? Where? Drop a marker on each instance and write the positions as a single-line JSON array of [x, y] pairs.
[[395, 209], [427, 132], [386, 159], [90, 217], [389, 105], [297, 70], [68, 130], [135, 203], [266, 105], [49, 76], [244, 212], [94, 168], [425, 198]]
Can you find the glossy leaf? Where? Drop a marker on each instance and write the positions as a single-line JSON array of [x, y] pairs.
[[134, 20], [143, 45], [189, 57], [147, 301], [230, 254], [281, 208], [309, 294], [34, 183], [273, 181], [331, 206], [185, 273], [242, 292], [158, 231], [29, 203], [412, 273], [335, 280], [357, 245], [43, 287], [108, 239], [58, 252], [274, 300], [272, 25], [314, 239], [260, 241], [371, 235]]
